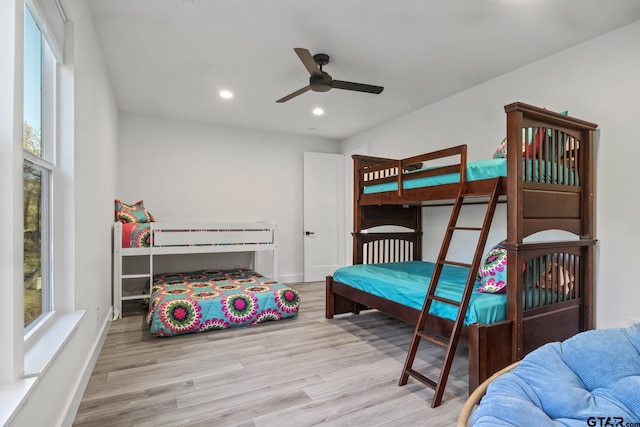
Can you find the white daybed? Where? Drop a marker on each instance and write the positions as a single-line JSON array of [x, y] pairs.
[[176, 290]]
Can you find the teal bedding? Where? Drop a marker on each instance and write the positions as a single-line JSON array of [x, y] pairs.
[[485, 169], [406, 283]]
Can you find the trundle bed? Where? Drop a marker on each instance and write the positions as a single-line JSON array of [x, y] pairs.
[[547, 178], [198, 301]]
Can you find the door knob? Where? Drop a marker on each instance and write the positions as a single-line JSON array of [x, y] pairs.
[[309, 233]]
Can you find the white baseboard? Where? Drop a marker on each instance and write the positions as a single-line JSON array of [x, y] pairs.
[[83, 380], [290, 278]]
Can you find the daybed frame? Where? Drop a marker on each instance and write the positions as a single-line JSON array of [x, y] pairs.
[[532, 206], [170, 238]]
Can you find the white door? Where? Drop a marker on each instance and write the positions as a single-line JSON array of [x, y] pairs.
[[323, 187]]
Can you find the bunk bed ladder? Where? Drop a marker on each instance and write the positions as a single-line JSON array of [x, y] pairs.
[[451, 342]]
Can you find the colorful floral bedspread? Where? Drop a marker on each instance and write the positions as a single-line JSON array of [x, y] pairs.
[[216, 299]]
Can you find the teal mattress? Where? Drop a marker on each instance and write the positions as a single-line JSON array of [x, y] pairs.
[[550, 172], [406, 283]]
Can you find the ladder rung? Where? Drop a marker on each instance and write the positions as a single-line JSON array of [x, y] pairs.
[[478, 194], [445, 300], [467, 228], [456, 263], [424, 380], [433, 338]]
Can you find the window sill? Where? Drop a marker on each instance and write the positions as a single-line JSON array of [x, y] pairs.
[[40, 351], [12, 397]]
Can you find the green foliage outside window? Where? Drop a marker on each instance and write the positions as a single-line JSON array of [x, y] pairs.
[[32, 205]]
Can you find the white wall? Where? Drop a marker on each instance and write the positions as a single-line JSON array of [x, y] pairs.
[[596, 81], [201, 172], [91, 178], [96, 133]]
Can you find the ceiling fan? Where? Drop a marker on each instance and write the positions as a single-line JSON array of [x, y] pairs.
[[321, 81]]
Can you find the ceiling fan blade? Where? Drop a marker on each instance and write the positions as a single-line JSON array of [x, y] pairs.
[[308, 61], [294, 94], [339, 84]]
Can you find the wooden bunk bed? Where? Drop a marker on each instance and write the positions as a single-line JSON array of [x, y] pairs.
[[548, 184]]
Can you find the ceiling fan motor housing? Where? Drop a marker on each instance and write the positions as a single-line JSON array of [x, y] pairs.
[[320, 83]]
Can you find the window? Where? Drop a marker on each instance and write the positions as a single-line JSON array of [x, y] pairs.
[[38, 172]]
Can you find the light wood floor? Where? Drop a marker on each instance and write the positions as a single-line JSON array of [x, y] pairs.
[[297, 372]]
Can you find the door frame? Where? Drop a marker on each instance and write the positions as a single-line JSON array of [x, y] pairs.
[[348, 200]]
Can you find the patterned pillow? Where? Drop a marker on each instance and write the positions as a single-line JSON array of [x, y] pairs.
[[501, 151], [132, 213], [492, 273]]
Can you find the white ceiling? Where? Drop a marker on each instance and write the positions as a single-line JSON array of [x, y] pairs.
[[170, 58]]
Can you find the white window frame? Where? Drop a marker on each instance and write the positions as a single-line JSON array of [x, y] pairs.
[[46, 163]]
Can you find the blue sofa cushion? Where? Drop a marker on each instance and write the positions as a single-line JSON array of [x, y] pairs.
[[595, 374]]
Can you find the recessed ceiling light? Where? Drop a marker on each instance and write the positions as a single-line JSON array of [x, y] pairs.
[[318, 111], [226, 94]]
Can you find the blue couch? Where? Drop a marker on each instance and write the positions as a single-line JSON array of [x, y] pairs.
[[591, 379]]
